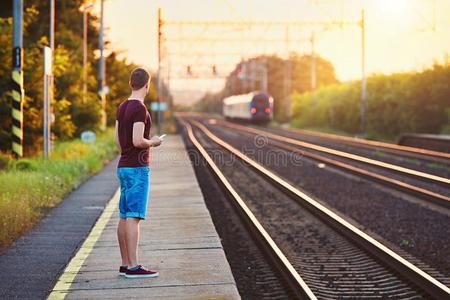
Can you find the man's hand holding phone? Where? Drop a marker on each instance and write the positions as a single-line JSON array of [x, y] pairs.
[[156, 141]]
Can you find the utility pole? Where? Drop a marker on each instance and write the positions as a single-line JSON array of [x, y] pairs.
[[101, 69], [46, 93], [48, 84], [287, 79], [188, 32], [434, 16], [169, 100], [52, 25], [86, 7], [363, 75], [313, 68], [159, 79], [18, 92]]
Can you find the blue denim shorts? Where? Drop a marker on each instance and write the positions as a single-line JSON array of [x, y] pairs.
[[134, 185]]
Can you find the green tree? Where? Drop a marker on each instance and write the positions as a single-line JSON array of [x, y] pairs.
[[72, 114], [397, 103]]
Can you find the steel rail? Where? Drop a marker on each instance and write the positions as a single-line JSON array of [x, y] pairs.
[[377, 163], [409, 151], [414, 152], [297, 284], [422, 193], [392, 259]]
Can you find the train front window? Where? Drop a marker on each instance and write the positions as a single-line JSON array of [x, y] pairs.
[[261, 102]]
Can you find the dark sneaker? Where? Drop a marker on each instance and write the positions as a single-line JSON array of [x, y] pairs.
[[140, 272], [122, 270]]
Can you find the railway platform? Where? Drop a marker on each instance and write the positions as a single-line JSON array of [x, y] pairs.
[[178, 239]]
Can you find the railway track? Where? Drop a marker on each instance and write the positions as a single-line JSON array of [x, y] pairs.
[[409, 157], [380, 164], [439, 196], [410, 225], [431, 162], [407, 151], [433, 142], [347, 260]]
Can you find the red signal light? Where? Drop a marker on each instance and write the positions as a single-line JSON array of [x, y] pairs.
[[267, 110], [253, 110]]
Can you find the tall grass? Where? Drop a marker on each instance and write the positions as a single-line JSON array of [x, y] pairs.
[[29, 187]]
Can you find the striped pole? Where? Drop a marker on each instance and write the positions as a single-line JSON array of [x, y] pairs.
[[17, 92], [101, 69]]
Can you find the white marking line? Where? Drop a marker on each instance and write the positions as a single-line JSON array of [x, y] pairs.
[[62, 286]]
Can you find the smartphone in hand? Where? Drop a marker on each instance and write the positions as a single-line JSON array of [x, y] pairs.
[[162, 137]]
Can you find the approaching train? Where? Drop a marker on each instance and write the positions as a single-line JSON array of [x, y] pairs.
[[255, 107]]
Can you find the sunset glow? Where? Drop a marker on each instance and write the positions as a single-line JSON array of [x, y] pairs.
[[402, 35], [394, 7]]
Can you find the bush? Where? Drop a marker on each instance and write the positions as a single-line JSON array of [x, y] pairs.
[[25, 165], [5, 160], [87, 116]]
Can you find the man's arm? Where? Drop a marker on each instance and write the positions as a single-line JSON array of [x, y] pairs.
[[116, 137], [138, 137]]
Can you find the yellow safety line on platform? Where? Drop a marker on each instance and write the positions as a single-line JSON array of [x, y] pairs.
[[62, 286]]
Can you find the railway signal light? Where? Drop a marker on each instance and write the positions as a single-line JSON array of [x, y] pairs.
[[189, 71], [214, 70]]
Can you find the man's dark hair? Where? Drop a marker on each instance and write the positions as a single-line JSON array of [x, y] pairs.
[[139, 78]]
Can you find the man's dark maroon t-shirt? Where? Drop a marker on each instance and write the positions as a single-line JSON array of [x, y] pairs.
[[129, 112]]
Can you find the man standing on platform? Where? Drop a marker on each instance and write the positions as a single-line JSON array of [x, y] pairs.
[[132, 137]]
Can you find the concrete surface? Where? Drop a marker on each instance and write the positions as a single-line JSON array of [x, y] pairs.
[[178, 239], [31, 265]]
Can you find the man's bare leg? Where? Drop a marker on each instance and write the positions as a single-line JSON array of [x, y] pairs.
[[121, 237], [132, 240]]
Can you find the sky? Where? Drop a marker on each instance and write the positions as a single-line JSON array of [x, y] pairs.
[[401, 35]]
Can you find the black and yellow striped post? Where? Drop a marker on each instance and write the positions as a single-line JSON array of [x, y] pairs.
[[17, 104], [17, 92]]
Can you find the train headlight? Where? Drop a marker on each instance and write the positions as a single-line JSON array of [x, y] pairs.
[[253, 110], [267, 110]]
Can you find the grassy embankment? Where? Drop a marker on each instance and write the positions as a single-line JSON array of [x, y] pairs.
[[29, 187]]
